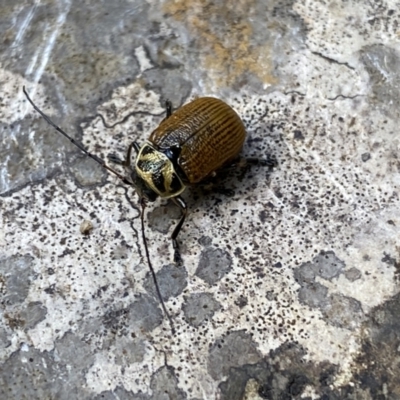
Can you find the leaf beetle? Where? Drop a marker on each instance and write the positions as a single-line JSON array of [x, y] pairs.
[[188, 147]]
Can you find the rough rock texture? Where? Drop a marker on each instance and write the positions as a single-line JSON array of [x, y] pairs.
[[290, 281]]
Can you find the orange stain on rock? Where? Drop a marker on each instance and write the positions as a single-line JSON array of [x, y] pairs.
[[224, 35]]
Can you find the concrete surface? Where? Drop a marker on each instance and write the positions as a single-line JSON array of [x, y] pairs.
[[290, 286]]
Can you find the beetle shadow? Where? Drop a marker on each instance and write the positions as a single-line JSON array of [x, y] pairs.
[[240, 177]]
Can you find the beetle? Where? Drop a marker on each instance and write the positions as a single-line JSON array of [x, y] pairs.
[[187, 148]]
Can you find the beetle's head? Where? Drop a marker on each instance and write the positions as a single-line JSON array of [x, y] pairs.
[[141, 187], [155, 175]]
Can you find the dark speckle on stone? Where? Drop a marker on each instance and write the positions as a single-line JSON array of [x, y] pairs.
[[365, 156], [241, 301], [115, 320], [277, 265], [238, 251], [298, 135], [388, 259], [50, 289], [270, 295], [214, 264], [198, 307], [171, 279], [263, 216]]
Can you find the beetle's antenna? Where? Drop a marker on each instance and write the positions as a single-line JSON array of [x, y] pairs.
[[124, 180], [143, 203], [73, 141]]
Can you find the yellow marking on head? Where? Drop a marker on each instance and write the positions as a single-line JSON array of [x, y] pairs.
[[158, 165]]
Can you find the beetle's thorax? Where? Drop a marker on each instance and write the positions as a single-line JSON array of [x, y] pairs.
[[158, 172]]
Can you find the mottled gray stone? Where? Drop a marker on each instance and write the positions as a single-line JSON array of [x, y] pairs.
[[328, 266], [235, 349], [325, 265], [205, 241], [170, 83], [171, 279], [313, 295], [352, 274], [145, 313], [282, 374], [36, 375], [128, 350], [164, 385], [17, 274], [380, 352], [163, 217], [198, 307], [305, 273], [32, 314], [382, 63], [344, 312], [214, 265], [90, 58], [142, 315], [242, 301], [4, 338], [71, 350], [121, 252], [87, 172], [308, 93], [120, 394]]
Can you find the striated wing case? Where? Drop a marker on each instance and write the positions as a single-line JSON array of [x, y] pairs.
[[204, 135]]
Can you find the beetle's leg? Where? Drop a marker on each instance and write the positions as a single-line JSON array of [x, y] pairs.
[[168, 108], [244, 164], [127, 162], [270, 161], [182, 205], [240, 164]]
